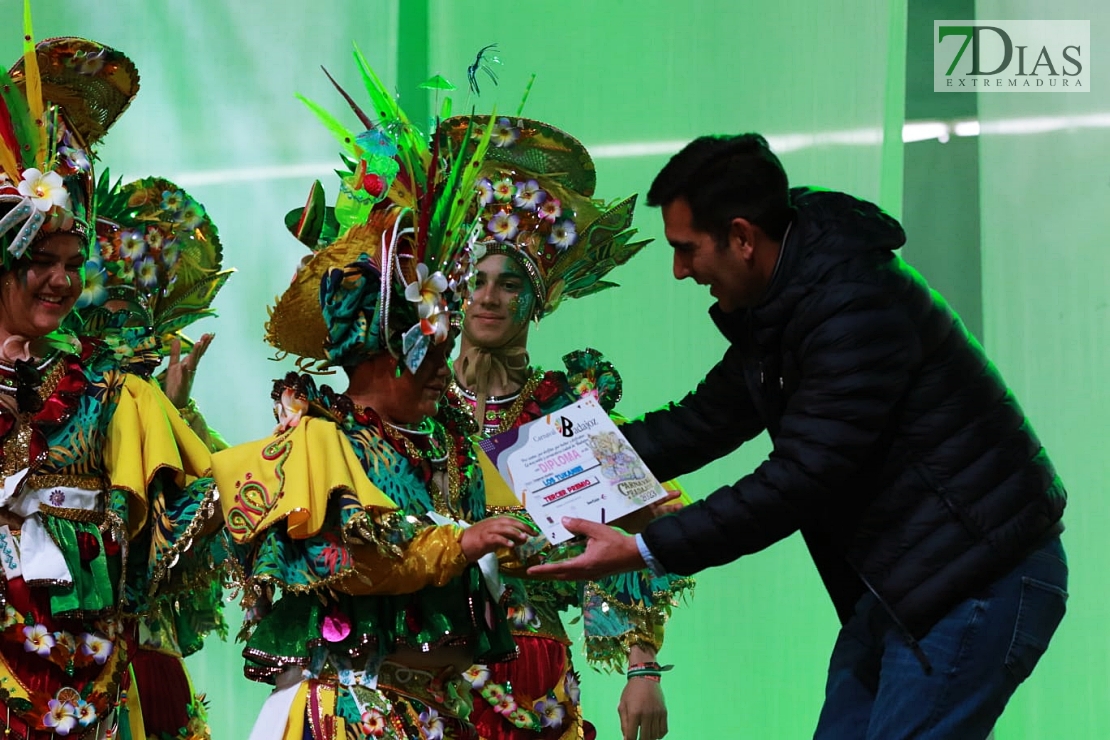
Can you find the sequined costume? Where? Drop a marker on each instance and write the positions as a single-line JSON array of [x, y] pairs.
[[618, 612], [336, 512], [108, 479], [536, 208], [365, 610], [155, 270], [103, 505]]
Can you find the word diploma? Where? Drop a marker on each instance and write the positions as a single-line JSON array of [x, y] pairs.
[[576, 463]]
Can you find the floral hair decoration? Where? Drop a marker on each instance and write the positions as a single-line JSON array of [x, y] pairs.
[[158, 251], [536, 205], [384, 272], [55, 102]]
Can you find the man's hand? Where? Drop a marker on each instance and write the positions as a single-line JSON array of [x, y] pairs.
[[608, 551], [638, 520], [487, 535], [180, 372]]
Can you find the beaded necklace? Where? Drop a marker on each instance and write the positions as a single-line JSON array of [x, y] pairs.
[[428, 448], [432, 436], [502, 412], [30, 386]]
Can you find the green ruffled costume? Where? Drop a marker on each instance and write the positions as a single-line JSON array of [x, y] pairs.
[[333, 512], [113, 475], [618, 611], [179, 622]]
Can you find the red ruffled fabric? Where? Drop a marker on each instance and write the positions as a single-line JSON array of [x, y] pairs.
[[540, 667], [163, 691], [56, 409]]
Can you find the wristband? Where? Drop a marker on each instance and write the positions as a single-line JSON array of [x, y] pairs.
[[651, 671], [649, 675]]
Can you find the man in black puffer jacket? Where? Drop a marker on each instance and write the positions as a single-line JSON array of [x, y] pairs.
[[930, 508]]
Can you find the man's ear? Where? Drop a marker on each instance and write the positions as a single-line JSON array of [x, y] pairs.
[[741, 237]]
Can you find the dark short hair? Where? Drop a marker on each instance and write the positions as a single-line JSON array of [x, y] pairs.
[[727, 177]]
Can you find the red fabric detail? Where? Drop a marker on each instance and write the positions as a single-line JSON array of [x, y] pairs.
[[39, 674], [529, 412], [63, 401], [540, 667], [33, 603], [111, 544], [163, 691], [37, 448], [53, 409], [89, 345], [87, 546], [546, 390], [72, 382]]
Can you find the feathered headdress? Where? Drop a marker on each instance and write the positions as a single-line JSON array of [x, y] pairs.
[[157, 250], [536, 205], [56, 101], [383, 273]]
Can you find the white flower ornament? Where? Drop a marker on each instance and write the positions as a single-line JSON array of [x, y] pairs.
[[425, 290], [45, 190]]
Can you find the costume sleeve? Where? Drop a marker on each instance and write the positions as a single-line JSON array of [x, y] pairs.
[[710, 422], [147, 438], [312, 519], [855, 363], [630, 609], [158, 488]]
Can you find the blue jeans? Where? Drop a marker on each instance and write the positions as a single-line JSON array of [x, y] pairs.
[[980, 652]]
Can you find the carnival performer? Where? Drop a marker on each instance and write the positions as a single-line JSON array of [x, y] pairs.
[[544, 238], [103, 496], [369, 602], [155, 269]]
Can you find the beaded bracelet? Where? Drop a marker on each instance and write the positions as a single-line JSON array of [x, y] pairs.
[[189, 411], [649, 675], [651, 671]]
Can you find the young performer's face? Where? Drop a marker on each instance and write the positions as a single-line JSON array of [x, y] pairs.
[[500, 305], [42, 288]]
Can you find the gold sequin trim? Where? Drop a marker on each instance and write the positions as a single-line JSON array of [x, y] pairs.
[[64, 480], [74, 515]]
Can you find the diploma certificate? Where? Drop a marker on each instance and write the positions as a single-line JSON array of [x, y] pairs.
[[574, 462]]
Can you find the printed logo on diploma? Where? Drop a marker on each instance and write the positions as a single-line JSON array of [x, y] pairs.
[[574, 462]]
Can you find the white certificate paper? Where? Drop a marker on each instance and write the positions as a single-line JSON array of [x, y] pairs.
[[574, 462]]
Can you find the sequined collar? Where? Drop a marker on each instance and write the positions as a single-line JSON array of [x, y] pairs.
[[502, 412]]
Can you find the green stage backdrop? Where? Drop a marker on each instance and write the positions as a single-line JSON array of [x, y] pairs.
[[826, 82]]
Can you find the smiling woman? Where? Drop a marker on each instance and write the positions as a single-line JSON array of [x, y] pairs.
[[544, 238], [103, 504], [39, 291]]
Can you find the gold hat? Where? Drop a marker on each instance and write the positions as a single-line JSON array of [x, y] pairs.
[[387, 258], [296, 323], [92, 82], [57, 99]]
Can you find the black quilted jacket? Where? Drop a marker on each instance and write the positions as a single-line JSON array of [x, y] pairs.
[[898, 453]]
